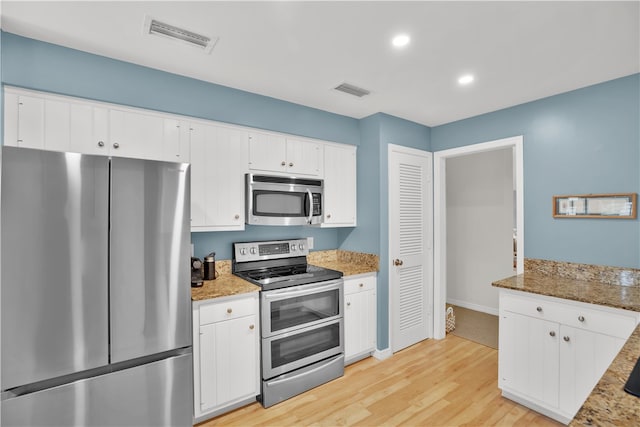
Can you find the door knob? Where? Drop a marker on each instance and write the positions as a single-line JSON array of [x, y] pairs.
[[397, 262]]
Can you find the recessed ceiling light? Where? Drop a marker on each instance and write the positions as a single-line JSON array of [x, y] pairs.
[[466, 79], [401, 40]]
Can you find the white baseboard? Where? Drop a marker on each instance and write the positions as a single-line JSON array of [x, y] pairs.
[[383, 354], [472, 306]]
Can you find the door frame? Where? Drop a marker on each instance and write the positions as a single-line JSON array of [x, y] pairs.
[[429, 232], [440, 217]]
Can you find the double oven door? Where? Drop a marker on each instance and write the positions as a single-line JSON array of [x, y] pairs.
[[301, 325]]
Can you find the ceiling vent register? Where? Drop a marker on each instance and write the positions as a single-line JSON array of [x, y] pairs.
[[151, 26], [352, 90]]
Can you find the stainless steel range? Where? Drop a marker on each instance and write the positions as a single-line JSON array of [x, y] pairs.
[[302, 331]]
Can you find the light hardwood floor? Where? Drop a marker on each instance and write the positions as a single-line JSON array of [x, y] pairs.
[[450, 382]]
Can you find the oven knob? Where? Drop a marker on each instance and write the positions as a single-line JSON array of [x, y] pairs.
[[253, 251], [243, 251], [301, 246], [293, 248]]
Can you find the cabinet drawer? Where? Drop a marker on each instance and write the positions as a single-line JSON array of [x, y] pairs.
[[359, 284], [603, 320], [225, 310]]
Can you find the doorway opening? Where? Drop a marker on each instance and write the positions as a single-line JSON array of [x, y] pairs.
[[467, 211]]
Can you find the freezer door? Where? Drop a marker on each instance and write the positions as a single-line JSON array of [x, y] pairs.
[[54, 226], [150, 251], [156, 394]]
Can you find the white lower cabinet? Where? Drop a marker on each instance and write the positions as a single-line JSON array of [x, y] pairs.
[[226, 354], [359, 316], [552, 352]]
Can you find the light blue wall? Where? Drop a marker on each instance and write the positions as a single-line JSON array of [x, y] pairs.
[[372, 233], [584, 141], [42, 66]]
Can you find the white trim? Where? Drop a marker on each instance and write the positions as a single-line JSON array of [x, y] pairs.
[[472, 306], [440, 217], [383, 354]]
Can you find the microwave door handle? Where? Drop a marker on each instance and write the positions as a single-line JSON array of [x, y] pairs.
[[310, 196]]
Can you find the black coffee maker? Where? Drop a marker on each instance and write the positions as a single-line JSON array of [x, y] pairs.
[[196, 272]]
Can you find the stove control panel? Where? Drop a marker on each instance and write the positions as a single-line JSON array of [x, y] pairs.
[[256, 251]]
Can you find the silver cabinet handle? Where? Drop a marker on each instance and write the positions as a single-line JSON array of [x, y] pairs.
[[328, 216], [539, 309], [229, 310], [361, 284], [237, 216], [581, 318], [552, 333], [290, 165], [100, 143], [251, 327], [283, 163], [116, 145], [348, 304], [566, 338]]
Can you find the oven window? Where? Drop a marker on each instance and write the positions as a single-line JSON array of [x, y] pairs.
[[304, 344], [298, 311], [279, 203]]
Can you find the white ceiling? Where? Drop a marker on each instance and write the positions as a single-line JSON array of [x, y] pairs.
[[299, 51]]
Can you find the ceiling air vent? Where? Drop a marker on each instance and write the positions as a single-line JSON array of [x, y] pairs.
[[151, 26], [352, 90]]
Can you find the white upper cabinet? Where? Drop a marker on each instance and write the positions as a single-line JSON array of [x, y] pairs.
[[277, 153], [339, 186], [218, 165], [58, 123]]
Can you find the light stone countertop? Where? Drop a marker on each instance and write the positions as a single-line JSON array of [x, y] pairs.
[[608, 404]]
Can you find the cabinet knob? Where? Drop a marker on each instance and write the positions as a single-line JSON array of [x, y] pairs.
[[237, 216], [552, 333], [581, 318], [116, 145], [283, 163], [566, 338], [539, 309], [290, 164], [100, 143], [348, 304], [229, 310], [328, 216], [251, 327], [361, 284]]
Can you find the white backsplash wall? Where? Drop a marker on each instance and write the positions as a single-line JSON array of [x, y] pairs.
[[479, 227]]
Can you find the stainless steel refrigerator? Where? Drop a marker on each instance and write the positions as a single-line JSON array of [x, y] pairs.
[[95, 295]]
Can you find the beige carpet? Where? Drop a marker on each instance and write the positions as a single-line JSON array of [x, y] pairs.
[[476, 326]]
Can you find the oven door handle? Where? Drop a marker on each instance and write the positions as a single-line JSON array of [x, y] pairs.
[[310, 206], [303, 374], [269, 295]]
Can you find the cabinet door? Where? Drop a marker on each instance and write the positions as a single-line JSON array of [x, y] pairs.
[[89, 129], [303, 157], [208, 363], [30, 122], [359, 317], [136, 135], [218, 164], [267, 152], [237, 374], [339, 186], [584, 358], [528, 356]]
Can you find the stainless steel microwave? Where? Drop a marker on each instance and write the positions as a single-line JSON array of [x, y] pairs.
[[281, 200]]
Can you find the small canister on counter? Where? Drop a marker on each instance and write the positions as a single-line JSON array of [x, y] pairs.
[[210, 266]]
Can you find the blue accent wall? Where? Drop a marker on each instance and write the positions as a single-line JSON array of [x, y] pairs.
[[579, 142]]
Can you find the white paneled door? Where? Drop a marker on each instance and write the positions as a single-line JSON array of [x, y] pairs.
[[410, 246]]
